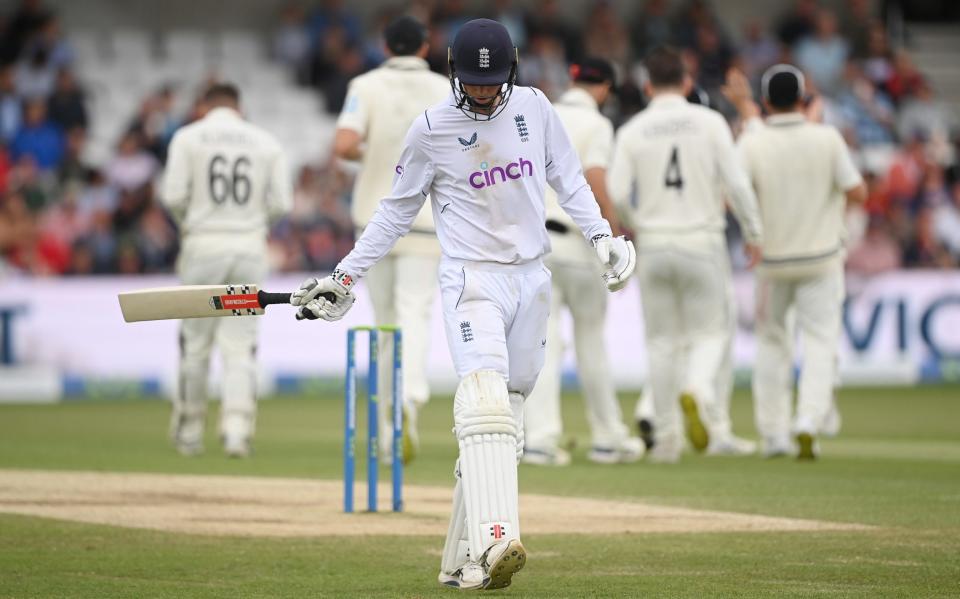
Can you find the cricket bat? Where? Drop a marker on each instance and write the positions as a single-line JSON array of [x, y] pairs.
[[199, 301]]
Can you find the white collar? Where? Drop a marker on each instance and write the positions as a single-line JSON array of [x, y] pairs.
[[577, 96], [406, 63]]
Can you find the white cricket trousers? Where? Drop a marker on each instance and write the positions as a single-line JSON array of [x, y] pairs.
[[402, 288], [495, 317], [580, 288], [235, 339], [686, 296], [818, 304]]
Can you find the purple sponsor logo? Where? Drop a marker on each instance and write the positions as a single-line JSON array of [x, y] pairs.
[[399, 170], [487, 176]]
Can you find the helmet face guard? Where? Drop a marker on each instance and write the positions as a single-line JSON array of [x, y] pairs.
[[471, 106]]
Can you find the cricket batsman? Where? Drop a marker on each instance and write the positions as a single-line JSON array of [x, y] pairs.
[[577, 286], [804, 176], [402, 285], [669, 163], [484, 155], [226, 181]]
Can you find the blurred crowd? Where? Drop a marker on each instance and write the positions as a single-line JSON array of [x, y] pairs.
[[59, 215]]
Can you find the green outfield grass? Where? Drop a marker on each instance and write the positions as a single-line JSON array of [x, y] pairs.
[[895, 467]]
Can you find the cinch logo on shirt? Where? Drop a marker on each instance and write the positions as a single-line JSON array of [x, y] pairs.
[[488, 176]]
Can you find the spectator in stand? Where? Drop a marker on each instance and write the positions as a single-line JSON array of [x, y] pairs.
[[925, 249], [513, 18], [66, 220], [544, 65], [867, 113], [156, 240], [49, 38], [946, 219], [651, 28], [856, 26], [905, 175], [38, 138], [102, 243], [291, 41], [926, 116], [823, 55], [905, 79], [156, 122], [798, 23], [67, 105], [332, 15], [133, 168], [27, 181], [758, 50], [716, 57], [605, 36], [25, 22], [36, 75], [11, 107], [878, 251], [546, 20], [878, 62], [73, 171]]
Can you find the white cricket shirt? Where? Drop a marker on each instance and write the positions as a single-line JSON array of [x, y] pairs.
[[226, 180], [487, 182], [380, 106], [800, 171], [670, 164]]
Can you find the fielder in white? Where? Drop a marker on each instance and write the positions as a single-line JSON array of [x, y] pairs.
[[378, 111], [577, 286], [226, 181], [723, 442], [485, 156], [804, 176], [669, 163]]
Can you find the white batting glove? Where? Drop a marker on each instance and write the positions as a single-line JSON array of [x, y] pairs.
[[619, 259], [312, 297]]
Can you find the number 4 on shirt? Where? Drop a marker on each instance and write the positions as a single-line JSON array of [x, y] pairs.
[[673, 178]]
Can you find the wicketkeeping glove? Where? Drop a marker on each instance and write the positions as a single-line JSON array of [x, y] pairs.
[[313, 305], [619, 259]]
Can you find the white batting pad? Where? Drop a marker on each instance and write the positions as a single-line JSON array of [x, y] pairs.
[[456, 547], [485, 427]]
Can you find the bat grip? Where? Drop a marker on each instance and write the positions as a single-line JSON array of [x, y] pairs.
[[266, 298]]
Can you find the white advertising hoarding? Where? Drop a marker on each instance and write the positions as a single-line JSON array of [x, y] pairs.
[[899, 327]]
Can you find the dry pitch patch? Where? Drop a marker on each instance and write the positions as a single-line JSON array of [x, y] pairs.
[[288, 507]]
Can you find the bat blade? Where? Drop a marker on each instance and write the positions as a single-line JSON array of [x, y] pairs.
[[190, 301]]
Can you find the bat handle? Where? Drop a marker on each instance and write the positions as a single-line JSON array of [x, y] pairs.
[[265, 298]]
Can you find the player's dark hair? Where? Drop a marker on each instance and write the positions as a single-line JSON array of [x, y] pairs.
[[665, 67], [219, 92]]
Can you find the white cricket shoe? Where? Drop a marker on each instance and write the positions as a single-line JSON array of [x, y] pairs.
[[545, 457], [501, 561], [776, 447], [186, 432], [731, 446], [666, 450], [468, 577], [236, 446], [629, 450]]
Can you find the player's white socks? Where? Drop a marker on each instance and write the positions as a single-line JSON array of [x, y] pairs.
[[485, 427]]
